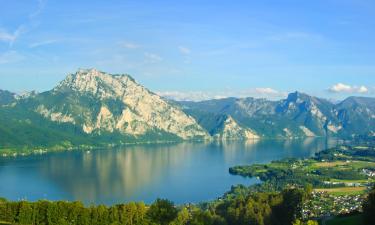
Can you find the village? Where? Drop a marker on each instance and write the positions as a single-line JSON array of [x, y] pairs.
[[323, 204]]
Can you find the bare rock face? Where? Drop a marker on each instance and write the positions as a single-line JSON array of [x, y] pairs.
[[141, 110], [231, 130]]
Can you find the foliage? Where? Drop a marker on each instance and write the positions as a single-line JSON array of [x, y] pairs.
[[309, 222], [254, 208], [45, 212], [162, 211], [263, 208], [369, 208], [346, 220]]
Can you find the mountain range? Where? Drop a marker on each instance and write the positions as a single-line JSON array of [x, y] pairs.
[[93, 108]]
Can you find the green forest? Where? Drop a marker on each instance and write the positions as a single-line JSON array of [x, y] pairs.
[[276, 208], [256, 208]]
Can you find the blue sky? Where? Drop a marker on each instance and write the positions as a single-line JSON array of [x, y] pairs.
[[194, 49]]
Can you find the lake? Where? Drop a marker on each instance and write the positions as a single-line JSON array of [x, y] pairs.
[[181, 172]]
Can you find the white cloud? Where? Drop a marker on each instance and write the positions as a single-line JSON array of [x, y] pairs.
[[340, 87], [10, 57], [268, 93], [184, 50], [152, 58], [363, 89], [11, 37], [6, 36], [345, 88], [130, 45], [39, 9], [42, 43]]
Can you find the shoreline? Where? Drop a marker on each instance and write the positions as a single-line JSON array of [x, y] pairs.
[[6, 153]]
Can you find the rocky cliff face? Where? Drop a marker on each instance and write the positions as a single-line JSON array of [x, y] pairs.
[[229, 129], [98, 101]]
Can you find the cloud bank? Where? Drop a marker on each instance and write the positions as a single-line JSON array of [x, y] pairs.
[[348, 89]]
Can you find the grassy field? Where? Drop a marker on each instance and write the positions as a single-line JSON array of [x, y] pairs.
[[343, 190], [354, 164], [330, 164], [347, 220], [352, 181]]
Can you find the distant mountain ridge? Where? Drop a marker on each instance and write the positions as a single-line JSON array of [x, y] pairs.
[[299, 115], [93, 108]]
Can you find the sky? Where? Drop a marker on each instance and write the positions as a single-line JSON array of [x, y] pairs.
[[194, 49]]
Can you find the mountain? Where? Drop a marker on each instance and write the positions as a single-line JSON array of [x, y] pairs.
[[91, 108], [6, 97], [299, 115], [99, 102], [357, 115]]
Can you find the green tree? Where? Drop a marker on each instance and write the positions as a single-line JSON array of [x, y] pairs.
[[26, 213], [291, 207], [162, 211], [182, 217], [54, 215], [309, 222], [200, 217], [369, 208]]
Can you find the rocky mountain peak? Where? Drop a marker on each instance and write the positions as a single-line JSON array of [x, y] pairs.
[[298, 97], [99, 83], [115, 103]]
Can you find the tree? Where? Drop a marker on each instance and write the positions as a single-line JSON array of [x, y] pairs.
[[200, 217], [54, 215], [309, 222], [291, 207], [162, 211], [369, 208], [182, 217], [308, 189], [25, 215]]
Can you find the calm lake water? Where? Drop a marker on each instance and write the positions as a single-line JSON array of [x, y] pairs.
[[184, 172]]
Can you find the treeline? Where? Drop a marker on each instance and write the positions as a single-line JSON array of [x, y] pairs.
[[365, 152], [282, 208]]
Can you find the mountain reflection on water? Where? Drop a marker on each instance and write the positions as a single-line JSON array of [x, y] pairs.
[[182, 172]]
